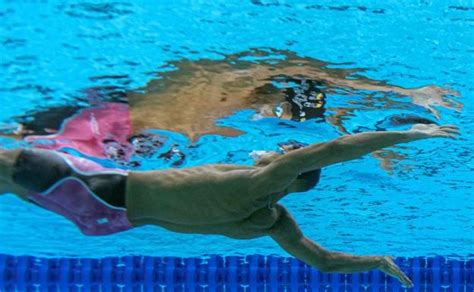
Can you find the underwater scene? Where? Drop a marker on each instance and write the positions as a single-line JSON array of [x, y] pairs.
[[165, 113]]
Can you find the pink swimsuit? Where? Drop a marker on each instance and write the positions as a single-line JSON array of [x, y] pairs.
[[87, 131], [105, 131], [71, 198]]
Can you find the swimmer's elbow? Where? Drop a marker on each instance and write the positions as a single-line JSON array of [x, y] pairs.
[[285, 230]]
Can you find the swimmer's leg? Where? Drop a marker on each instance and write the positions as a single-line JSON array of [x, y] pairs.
[[288, 235]]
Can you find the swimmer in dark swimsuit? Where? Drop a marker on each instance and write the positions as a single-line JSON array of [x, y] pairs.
[[29, 172], [236, 201]]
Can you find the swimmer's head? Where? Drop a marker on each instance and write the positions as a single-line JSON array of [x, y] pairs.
[[304, 100]]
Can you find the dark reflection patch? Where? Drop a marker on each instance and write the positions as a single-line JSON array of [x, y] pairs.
[[98, 11]]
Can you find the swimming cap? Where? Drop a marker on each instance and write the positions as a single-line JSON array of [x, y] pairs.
[[306, 99]]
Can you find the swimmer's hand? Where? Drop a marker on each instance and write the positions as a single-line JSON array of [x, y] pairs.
[[388, 266], [423, 131], [430, 96]]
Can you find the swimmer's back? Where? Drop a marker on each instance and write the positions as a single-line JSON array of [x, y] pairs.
[[196, 195]]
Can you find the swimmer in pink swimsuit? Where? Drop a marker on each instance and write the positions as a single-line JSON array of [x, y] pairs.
[[89, 131], [105, 132]]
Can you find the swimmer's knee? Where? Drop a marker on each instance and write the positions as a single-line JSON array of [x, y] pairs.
[[284, 229]]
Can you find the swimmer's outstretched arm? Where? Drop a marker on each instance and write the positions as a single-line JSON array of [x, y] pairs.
[[288, 235], [351, 147]]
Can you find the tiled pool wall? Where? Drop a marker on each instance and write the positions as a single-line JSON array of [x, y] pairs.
[[217, 273]]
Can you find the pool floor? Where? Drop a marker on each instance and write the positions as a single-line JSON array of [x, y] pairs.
[[217, 273]]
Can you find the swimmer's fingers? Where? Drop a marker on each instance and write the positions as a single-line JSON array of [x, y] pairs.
[[431, 130], [434, 111], [450, 91], [389, 267], [454, 137], [443, 134], [450, 103], [456, 104], [449, 126], [450, 129], [444, 91]]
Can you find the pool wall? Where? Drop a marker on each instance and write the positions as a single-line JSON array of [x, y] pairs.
[[217, 273]]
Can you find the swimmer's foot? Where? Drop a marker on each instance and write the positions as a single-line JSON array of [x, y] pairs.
[[389, 267]]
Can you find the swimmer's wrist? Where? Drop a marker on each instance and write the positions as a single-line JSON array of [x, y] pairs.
[[413, 135]]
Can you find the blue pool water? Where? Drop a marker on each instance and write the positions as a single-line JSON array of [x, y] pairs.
[[51, 52]]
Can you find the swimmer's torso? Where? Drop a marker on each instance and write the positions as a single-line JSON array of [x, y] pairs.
[[209, 194], [212, 199]]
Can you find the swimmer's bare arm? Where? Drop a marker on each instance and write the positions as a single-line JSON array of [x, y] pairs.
[[364, 84], [334, 78], [288, 235], [426, 96], [346, 148], [344, 78]]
